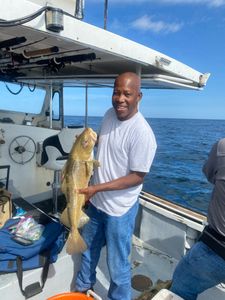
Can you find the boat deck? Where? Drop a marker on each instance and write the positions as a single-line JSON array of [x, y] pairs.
[[148, 263]]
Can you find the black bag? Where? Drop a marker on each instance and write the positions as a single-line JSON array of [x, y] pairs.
[[15, 257], [213, 240]]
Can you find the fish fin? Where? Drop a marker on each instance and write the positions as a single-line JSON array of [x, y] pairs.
[[83, 219], [96, 163], [89, 168], [64, 218], [75, 243]]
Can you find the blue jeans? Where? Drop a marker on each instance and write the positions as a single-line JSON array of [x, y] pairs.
[[200, 269], [116, 234]]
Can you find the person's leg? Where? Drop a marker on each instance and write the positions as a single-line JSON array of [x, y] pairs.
[[118, 234], [200, 269], [93, 234]]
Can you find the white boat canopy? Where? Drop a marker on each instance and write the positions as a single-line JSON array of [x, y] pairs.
[[65, 50]]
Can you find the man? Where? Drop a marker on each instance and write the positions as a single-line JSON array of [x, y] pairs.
[[204, 265], [126, 149]]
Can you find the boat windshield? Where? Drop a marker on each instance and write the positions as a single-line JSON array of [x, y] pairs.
[[21, 98]]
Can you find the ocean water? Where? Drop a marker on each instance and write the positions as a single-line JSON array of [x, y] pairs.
[[183, 147]]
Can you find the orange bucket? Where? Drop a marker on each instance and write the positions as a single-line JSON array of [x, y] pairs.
[[70, 296]]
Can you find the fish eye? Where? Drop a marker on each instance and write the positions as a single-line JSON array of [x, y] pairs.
[[85, 142]]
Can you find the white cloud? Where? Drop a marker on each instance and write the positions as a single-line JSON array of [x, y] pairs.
[[147, 23], [215, 3]]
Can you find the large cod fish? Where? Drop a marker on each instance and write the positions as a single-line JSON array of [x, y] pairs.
[[76, 175]]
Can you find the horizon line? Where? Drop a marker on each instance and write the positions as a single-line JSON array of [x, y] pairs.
[[180, 118]]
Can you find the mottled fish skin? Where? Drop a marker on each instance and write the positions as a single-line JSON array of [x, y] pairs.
[[76, 175]]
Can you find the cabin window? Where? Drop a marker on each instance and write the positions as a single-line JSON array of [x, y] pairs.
[[55, 106], [74, 106], [18, 98], [99, 100]]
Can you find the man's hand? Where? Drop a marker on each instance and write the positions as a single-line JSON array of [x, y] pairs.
[[89, 192]]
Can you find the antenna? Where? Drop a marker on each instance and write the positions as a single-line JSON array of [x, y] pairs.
[[105, 13], [79, 9]]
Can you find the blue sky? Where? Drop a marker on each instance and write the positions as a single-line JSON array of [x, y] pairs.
[[191, 31]]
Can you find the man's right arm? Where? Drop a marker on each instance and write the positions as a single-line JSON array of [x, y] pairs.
[[125, 182]]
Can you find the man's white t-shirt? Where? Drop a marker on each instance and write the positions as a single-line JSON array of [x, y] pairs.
[[123, 146]]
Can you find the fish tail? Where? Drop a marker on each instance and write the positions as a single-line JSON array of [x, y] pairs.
[[75, 243], [83, 219], [64, 218]]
